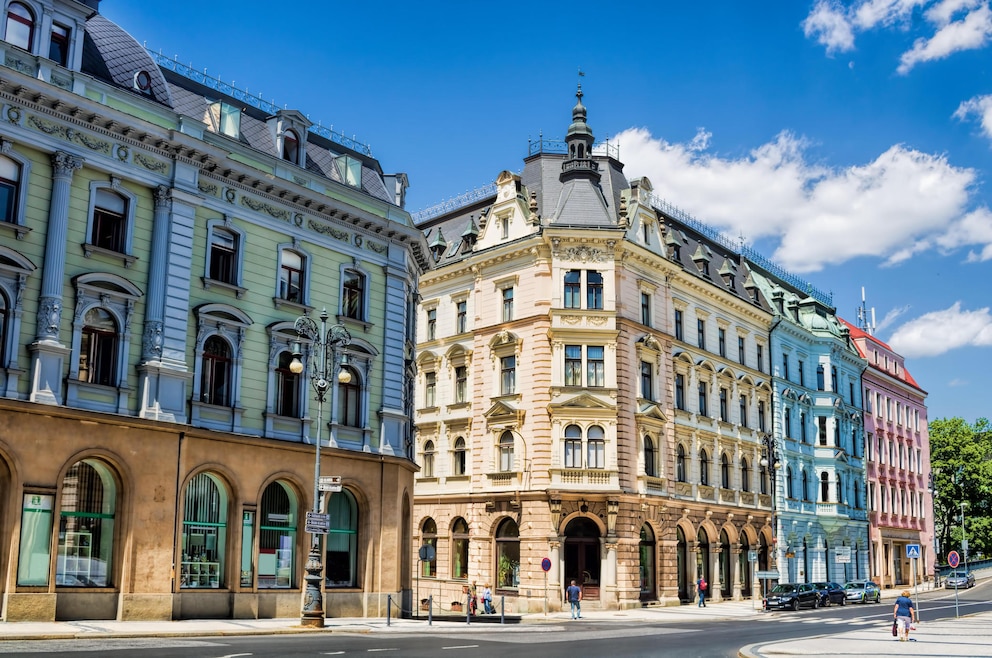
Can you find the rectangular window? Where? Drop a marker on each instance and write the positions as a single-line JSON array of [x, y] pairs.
[[802, 426], [573, 289], [850, 393], [58, 49], [722, 341], [349, 170], [573, 452], [573, 365], [595, 366], [508, 375], [833, 379], [702, 398], [867, 400], [109, 222], [740, 349], [647, 387], [226, 119], [724, 412], [223, 257], [430, 389], [645, 309], [761, 415], [461, 384], [701, 334], [431, 323], [291, 277], [507, 304], [461, 317], [787, 422], [802, 374], [353, 295], [36, 537], [822, 429], [761, 358], [678, 325], [743, 411], [594, 290], [680, 392], [595, 454], [785, 366], [870, 447], [504, 228]]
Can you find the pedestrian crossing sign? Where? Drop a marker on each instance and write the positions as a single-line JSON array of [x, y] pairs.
[[913, 551]]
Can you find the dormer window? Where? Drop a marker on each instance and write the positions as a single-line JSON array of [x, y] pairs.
[[291, 147], [226, 119], [20, 26], [349, 170], [58, 49]]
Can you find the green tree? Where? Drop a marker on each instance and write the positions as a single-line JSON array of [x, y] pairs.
[[961, 460]]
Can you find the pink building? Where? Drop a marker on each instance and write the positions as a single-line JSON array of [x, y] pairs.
[[897, 466]]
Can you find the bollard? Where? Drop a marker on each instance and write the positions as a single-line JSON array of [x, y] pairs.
[[430, 610], [468, 609], [502, 609], [389, 608]]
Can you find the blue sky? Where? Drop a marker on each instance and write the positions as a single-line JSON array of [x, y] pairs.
[[849, 141]]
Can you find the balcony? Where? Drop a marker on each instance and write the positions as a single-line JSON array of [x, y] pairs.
[[596, 478]]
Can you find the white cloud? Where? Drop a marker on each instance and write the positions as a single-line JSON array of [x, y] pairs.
[[902, 202], [971, 33], [891, 317], [938, 332], [835, 25], [980, 106]]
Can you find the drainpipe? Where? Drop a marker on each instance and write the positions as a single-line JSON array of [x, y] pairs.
[[175, 526]]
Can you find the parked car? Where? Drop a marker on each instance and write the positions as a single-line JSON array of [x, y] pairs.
[[792, 596], [862, 591], [831, 593], [958, 579]]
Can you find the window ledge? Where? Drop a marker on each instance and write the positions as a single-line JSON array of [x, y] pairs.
[[223, 285], [354, 322], [90, 249], [17, 229], [459, 405], [428, 410], [428, 478], [304, 309]]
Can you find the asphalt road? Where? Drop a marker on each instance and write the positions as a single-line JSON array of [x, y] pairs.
[[688, 639]]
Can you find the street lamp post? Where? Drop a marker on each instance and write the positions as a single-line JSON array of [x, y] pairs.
[[964, 539], [932, 488], [324, 345], [770, 460]]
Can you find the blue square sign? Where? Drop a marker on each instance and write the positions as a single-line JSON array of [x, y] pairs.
[[913, 550]]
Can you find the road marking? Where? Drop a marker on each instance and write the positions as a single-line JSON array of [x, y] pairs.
[[235, 655], [463, 646], [389, 649]]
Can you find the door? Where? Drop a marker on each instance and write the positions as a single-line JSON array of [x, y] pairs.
[[582, 558]]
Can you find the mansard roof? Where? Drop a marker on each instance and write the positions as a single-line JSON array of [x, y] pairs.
[[114, 56]]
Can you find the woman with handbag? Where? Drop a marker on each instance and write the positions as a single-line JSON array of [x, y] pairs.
[[903, 615]]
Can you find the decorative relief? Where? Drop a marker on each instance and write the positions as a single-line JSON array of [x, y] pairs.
[[151, 339], [49, 317], [230, 194], [298, 219], [61, 82], [261, 206], [47, 127], [376, 247], [358, 240], [207, 188], [301, 181], [122, 153], [571, 319], [13, 114], [90, 142], [584, 254], [19, 65], [597, 320], [335, 233], [150, 164]]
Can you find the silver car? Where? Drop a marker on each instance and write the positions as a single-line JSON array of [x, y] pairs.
[[862, 591], [959, 579]]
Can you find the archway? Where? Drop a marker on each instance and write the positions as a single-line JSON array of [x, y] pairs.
[[582, 556], [647, 560], [682, 561]]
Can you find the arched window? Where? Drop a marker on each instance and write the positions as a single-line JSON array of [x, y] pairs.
[[4, 319], [428, 469], [20, 26], [507, 555], [596, 447], [805, 492], [840, 489], [824, 487], [763, 477], [277, 537], [342, 541], [459, 457], [680, 472], [98, 348], [350, 399], [745, 475], [204, 540], [215, 379], [788, 483], [459, 549], [650, 458], [288, 387], [726, 583], [506, 452], [353, 295], [86, 526], [573, 446], [704, 467], [291, 147], [428, 537], [647, 562], [725, 471]]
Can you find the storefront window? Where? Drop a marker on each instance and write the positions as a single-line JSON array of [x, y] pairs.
[[508, 555], [342, 541], [36, 538], [204, 533], [86, 526], [277, 537]]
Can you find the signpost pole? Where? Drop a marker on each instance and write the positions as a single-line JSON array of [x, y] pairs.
[[546, 567], [954, 560]]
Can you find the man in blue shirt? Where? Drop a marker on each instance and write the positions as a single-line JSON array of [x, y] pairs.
[[574, 596]]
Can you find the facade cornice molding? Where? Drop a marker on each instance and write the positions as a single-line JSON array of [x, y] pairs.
[[680, 283]]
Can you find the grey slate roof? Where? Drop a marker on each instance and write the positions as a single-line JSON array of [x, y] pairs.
[[114, 56]]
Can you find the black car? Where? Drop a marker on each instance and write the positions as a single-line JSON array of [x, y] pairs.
[[792, 596], [831, 593]]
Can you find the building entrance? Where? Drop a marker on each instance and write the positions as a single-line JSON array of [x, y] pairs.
[[582, 559]]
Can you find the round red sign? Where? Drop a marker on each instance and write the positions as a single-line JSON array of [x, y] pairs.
[[546, 564], [953, 559]]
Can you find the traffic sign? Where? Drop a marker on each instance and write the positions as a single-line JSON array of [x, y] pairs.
[[767, 575], [752, 556], [953, 559], [546, 564], [329, 483], [913, 551], [318, 524]]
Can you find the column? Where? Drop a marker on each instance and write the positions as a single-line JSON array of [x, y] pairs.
[[716, 586], [48, 353]]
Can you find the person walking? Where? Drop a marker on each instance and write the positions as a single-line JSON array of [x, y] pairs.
[[701, 588], [904, 614], [574, 596], [487, 600]]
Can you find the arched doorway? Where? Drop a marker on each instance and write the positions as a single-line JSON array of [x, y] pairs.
[[703, 557], [682, 561], [647, 559], [744, 565], [582, 559], [726, 584]]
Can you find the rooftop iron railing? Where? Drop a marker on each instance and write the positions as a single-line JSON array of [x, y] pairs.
[[455, 202], [188, 72], [543, 145]]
